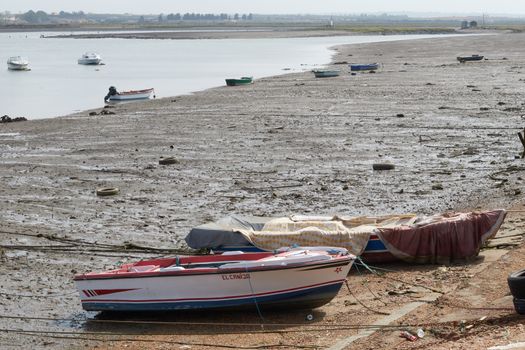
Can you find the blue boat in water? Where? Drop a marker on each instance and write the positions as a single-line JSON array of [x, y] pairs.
[[364, 67]]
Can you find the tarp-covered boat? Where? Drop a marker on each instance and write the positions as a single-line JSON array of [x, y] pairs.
[[290, 278], [421, 239]]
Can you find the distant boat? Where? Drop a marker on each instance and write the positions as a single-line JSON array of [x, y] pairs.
[[17, 63], [114, 95], [463, 59], [325, 73], [366, 66], [90, 58], [241, 81]]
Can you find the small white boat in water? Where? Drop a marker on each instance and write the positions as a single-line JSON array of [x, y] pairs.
[[17, 63], [90, 58], [292, 278], [114, 95]]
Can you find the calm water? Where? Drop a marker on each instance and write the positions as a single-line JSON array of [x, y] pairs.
[[57, 85]]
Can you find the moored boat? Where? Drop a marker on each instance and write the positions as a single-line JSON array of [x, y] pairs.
[[114, 95], [240, 81], [290, 278], [463, 59], [90, 58], [364, 67], [326, 73], [17, 63], [411, 238]]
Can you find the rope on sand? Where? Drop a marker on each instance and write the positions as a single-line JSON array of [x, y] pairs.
[[78, 336], [373, 269], [69, 244]]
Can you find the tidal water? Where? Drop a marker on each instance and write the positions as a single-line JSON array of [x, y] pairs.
[[56, 85]]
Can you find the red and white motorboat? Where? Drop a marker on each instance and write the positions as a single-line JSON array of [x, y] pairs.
[[293, 278]]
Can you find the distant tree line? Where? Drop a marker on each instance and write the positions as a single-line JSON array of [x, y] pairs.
[[42, 17], [79, 17]]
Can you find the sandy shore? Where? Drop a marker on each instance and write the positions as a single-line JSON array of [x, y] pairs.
[[255, 33], [286, 144]]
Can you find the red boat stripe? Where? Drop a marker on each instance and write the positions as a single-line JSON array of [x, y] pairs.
[[111, 291], [216, 298], [97, 292]]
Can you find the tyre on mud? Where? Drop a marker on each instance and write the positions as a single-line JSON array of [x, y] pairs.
[[107, 191], [516, 281]]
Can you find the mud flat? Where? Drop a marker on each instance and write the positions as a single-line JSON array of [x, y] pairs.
[[286, 144]]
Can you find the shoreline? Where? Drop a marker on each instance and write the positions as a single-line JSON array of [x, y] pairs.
[[248, 34], [287, 144], [171, 94]]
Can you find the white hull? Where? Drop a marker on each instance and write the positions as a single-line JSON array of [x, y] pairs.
[[309, 284], [127, 96]]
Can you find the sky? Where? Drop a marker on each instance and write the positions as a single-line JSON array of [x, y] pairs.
[[508, 7]]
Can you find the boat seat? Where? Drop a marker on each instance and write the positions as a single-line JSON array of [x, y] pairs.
[[233, 252], [172, 268]]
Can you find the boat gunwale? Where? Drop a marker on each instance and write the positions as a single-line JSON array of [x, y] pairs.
[[334, 262], [135, 92]]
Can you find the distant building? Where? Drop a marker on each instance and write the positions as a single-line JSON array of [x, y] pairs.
[[464, 25], [473, 24]]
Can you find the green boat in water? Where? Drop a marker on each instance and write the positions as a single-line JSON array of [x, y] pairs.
[[241, 81]]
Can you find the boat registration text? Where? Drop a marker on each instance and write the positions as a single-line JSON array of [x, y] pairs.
[[236, 276]]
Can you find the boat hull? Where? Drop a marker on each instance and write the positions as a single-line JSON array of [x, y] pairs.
[[303, 286], [364, 67], [301, 299], [463, 59], [132, 95], [15, 66], [89, 61], [326, 74], [241, 81]]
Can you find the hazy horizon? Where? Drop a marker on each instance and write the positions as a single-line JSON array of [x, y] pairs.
[[444, 7]]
